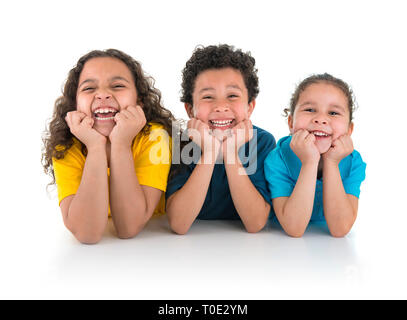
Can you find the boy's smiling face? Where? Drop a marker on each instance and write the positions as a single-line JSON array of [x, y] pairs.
[[220, 99], [105, 87], [322, 109]]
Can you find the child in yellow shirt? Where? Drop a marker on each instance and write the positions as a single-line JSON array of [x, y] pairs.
[[107, 147]]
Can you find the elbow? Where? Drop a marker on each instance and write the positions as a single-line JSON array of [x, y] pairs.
[[128, 232], [256, 226], [339, 229], [294, 231], [339, 232], [89, 237], [180, 229], [177, 226]]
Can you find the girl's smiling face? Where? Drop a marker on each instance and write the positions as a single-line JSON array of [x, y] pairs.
[[106, 86], [220, 98], [322, 110]]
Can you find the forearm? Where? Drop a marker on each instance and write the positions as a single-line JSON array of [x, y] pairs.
[[88, 211], [184, 206], [128, 203], [297, 210], [249, 203], [338, 210]]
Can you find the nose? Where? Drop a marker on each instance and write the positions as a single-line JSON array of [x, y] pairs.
[[222, 107], [103, 95], [320, 119]]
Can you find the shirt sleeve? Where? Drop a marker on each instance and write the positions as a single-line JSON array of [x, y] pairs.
[[68, 173], [278, 178], [179, 175], [266, 143], [357, 174], [152, 158]]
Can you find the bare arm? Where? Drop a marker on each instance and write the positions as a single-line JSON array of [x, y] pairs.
[[294, 212], [184, 205], [249, 203], [340, 209], [132, 204], [85, 214]]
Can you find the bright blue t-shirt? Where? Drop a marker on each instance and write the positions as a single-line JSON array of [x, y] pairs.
[[218, 202], [282, 168]]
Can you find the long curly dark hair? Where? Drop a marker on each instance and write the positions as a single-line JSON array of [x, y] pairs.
[[58, 138], [218, 57]]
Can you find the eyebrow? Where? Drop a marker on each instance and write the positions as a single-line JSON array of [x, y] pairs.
[[312, 103], [111, 80], [232, 86]]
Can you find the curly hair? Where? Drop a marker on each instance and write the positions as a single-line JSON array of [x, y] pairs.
[[326, 78], [58, 138], [218, 57]]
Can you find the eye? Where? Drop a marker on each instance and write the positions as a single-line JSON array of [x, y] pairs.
[[88, 89], [334, 113], [309, 110], [118, 86], [207, 97], [232, 96]]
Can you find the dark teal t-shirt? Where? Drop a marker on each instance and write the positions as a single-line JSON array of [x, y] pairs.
[[218, 202]]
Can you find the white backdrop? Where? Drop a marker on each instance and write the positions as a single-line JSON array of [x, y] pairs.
[[362, 42]]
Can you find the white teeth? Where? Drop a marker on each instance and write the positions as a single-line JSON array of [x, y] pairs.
[[104, 119], [221, 123], [105, 110], [320, 134]]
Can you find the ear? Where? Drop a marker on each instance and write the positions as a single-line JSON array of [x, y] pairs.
[[250, 108], [290, 123], [190, 110], [350, 129]]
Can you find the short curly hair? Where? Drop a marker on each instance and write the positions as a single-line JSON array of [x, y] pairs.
[[219, 57]]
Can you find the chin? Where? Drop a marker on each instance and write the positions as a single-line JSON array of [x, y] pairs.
[[104, 131], [323, 147]]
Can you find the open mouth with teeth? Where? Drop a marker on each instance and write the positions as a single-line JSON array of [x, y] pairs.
[[221, 124], [105, 114], [320, 134]]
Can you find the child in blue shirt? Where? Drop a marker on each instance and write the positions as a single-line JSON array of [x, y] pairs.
[[226, 178], [315, 174]]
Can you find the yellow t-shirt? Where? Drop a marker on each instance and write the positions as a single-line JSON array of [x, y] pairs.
[[152, 161]]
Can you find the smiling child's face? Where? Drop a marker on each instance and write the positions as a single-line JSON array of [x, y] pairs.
[[322, 109], [220, 99], [106, 86]]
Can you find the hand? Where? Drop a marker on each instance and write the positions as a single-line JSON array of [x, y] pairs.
[[200, 133], [81, 127], [303, 145], [341, 148], [129, 123], [239, 135]]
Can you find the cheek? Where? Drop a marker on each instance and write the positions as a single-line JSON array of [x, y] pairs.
[[83, 104], [297, 124], [340, 129], [200, 113]]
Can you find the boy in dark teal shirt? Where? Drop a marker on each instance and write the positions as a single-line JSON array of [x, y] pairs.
[[226, 180]]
